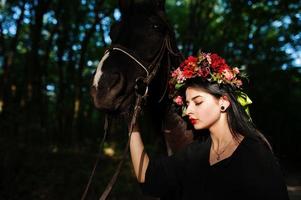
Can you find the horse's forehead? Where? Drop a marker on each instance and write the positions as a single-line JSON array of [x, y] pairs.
[[140, 24], [146, 17], [142, 7], [99, 71]]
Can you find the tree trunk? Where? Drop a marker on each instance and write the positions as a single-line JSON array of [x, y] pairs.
[[62, 44], [34, 88], [79, 79], [8, 82]]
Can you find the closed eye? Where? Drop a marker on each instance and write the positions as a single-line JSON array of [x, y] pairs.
[[198, 103]]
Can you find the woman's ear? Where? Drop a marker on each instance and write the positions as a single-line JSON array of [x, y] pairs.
[[224, 103]]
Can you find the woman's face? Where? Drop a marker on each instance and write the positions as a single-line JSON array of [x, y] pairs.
[[203, 109]]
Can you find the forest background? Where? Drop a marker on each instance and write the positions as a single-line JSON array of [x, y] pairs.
[[49, 129]]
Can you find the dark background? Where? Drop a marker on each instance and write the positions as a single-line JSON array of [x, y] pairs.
[[49, 129]]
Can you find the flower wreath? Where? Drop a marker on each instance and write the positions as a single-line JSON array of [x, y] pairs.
[[210, 67]]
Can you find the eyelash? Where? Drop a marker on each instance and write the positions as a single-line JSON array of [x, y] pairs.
[[197, 104]]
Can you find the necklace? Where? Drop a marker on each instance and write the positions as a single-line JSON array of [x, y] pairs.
[[219, 154]]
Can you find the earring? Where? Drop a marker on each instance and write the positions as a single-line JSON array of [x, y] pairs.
[[222, 108]]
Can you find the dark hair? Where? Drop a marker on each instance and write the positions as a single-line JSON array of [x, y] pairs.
[[238, 120]]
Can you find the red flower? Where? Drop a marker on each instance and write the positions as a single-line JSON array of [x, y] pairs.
[[217, 62], [178, 100], [222, 68], [187, 73], [190, 60], [190, 67]]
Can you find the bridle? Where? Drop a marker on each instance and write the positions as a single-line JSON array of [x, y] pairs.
[[127, 52], [141, 91], [152, 68]]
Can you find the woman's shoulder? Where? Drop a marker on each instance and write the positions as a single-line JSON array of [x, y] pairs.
[[255, 144], [256, 150], [260, 170]]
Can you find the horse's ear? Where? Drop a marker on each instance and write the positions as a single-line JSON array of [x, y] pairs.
[[160, 5], [124, 5]]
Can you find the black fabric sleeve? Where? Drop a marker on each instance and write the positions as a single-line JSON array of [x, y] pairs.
[[162, 176], [165, 175]]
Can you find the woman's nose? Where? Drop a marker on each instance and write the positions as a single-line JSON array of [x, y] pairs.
[[188, 110]]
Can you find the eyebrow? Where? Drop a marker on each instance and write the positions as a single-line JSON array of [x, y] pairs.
[[193, 98]]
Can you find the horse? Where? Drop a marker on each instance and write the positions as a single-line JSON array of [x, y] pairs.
[[142, 39], [138, 63]]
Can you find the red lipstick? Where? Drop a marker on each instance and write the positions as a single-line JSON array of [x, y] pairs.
[[192, 120]]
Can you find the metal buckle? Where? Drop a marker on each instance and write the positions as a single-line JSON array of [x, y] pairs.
[[141, 88]]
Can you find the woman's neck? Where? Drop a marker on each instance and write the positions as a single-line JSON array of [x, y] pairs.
[[220, 133], [220, 140]]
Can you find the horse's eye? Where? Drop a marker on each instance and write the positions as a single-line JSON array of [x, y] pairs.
[[156, 26]]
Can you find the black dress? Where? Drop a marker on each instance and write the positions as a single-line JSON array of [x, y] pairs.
[[251, 172]]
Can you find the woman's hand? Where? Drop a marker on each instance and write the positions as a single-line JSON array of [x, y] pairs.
[[135, 128], [139, 157]]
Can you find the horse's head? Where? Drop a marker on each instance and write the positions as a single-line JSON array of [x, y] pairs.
[[136, 43]]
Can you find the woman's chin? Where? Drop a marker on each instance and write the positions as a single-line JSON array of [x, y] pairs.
[[198, 126]]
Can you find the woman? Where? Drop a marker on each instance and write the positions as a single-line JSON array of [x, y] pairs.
[[236, 162]]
